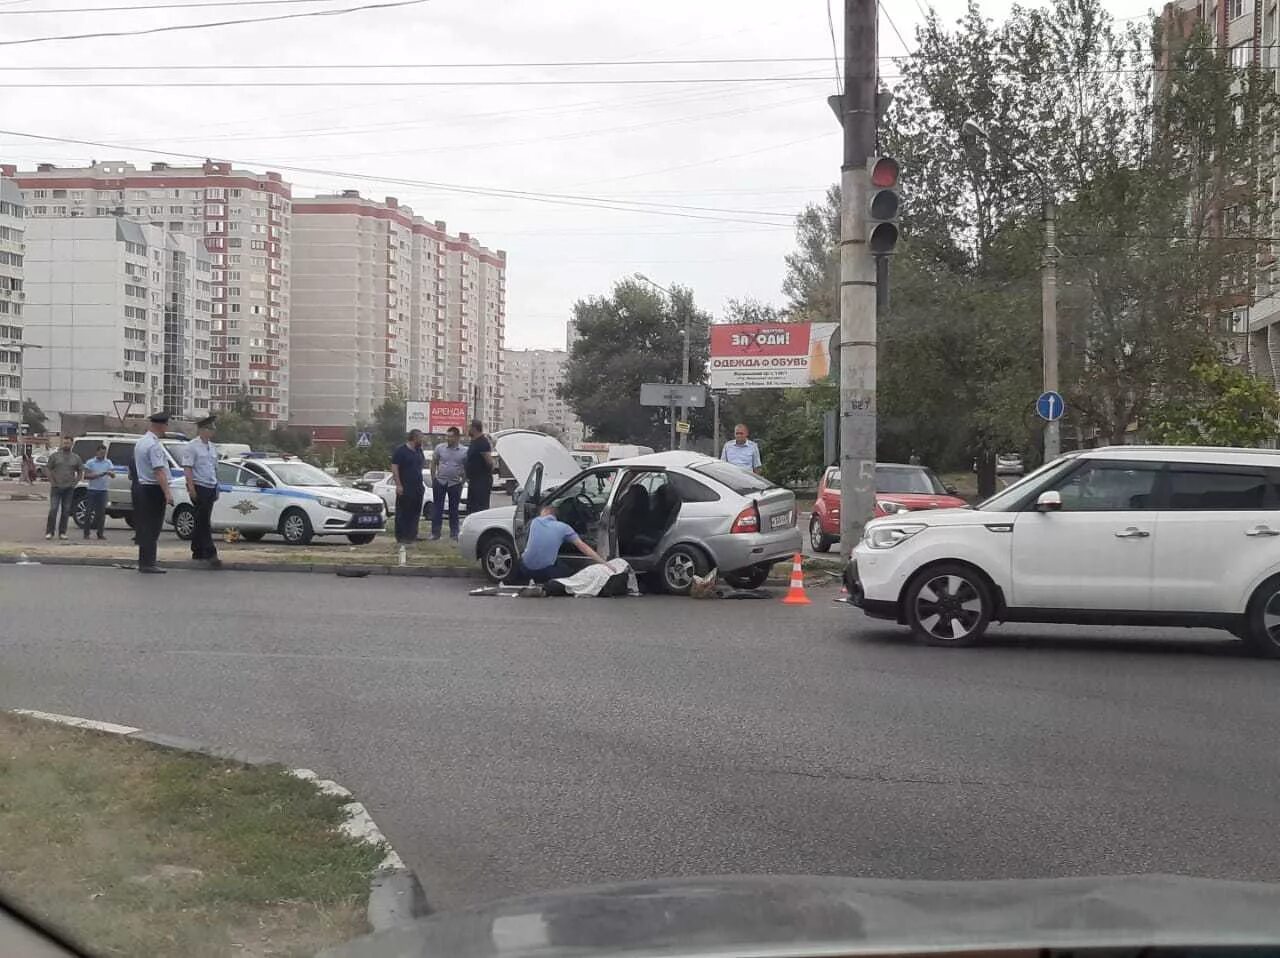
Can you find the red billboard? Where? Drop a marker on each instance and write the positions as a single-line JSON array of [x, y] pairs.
[[444, 413], [769, 355]]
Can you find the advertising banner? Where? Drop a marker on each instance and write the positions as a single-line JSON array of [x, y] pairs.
[[769, 355], [415, 415], [445, 413]]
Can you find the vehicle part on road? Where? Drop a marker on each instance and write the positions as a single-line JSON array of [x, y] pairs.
[[1262, 631], [795, 592], [361, 538], [497, 556], [184, 522], [680, 566], [749, 578], [819, 541], [948, 604], [296, 527]]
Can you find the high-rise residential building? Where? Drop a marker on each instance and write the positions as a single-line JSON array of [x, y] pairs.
[[12, 301], [243, 220], [120, 311], [532, 398], [384, 303]]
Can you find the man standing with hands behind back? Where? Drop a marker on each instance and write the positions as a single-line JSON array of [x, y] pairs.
[[479, 468], [407, 463], [200, 463], [741, 451], [154, 495]]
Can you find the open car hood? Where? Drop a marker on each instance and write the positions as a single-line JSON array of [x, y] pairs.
[[803, 916], [521, 449]]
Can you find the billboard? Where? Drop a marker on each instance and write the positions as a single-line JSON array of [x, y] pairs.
[[445, 413], [415, 415], [769, 355]]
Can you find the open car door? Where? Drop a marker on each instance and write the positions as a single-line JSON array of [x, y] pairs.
[[528, 501], [644, 507]]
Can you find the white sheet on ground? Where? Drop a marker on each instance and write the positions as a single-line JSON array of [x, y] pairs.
[[592, 579]]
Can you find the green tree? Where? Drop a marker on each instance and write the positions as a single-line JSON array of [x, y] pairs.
[[631, 337], [1221, 405], [812, 281], [33, 417]]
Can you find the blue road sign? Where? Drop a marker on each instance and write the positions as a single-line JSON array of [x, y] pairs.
[[1050, 406], [364, 440]]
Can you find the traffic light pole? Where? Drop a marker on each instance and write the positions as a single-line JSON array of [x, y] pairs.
[[857, 276], [1049, 318]]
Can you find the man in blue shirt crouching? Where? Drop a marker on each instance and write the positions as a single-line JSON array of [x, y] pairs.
[[541, 559]]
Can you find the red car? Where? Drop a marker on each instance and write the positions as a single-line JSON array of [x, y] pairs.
[[899, 488]]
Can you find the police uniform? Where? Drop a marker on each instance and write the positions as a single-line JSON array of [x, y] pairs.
[[201, 458], [149, 504]]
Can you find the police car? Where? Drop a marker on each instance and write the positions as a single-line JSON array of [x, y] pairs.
[[285, 496]]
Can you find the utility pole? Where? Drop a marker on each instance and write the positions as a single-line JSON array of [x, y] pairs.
[[1049, 317], [857, 276], [684, 410]]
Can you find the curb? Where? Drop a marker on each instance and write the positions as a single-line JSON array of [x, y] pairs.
[[396, 897], [408, 571]]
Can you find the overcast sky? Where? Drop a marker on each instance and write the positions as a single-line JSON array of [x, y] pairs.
[[748, 155]]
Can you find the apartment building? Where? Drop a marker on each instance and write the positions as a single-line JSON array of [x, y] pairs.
[[12, 297], [120, 312], [533, 378], [386, 302], [241, 217]]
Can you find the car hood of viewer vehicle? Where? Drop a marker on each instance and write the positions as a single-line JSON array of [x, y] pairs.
[[522, 449], [914, 500], [809, 916]]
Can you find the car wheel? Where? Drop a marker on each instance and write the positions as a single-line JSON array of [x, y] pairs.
[[252, 536], [128, 519], [948, 604], [497, 556], [749, 578], [1262, 620], [360, 538], [80, 510], [819, 542], [296, 527], [184, 522], [679, 567]]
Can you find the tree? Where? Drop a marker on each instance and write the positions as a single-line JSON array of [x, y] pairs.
[[33, 417], [812, 281], [1222, 406], [631, 337]]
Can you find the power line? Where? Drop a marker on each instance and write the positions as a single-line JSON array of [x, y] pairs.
[[835, 48], [214, 23], [155, 6], [893, 26], [230, 84]]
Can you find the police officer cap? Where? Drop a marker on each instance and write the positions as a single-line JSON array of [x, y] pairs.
[[207, 422], [158, 417]]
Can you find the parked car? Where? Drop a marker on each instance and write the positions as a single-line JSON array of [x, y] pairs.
[[1009, 464], [10, 461], [367, 481], [671, 515], [288, 497], [1134, 535], [119, 494], [385, 489], [899, 488]]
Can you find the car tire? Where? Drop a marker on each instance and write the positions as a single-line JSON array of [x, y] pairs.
[[252, 536], [80, 510], [497, 556], [752, 577], [678, 567], [948, 605], [361, 538], [819, 541], [1260, 639], [296, 527], [184, 522]]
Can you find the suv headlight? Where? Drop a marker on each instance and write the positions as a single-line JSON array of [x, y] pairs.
[[891, 508], [886, 537], [331, 504]]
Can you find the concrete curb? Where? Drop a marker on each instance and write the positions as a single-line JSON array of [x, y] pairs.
[[330, 568], [396, 897]]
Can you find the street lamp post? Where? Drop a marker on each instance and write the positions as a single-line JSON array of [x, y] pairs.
[[1048, 279], [684, 410]]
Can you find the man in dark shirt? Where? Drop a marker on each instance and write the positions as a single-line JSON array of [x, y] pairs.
[[479, 468], [407, 464]]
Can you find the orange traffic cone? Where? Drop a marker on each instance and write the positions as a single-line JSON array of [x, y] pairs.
[[795, 594]]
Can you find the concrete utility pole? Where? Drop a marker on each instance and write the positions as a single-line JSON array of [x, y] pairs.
[[857, 276], [1049, 316]]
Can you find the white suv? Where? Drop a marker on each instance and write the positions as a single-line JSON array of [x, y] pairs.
[[1130, 535]]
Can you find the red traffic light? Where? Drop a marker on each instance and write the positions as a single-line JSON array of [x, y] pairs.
[[884, 172]]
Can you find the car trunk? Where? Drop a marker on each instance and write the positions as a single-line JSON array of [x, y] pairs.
[[777, 508]]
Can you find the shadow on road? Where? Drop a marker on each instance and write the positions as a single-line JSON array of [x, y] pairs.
[[1019, 640]]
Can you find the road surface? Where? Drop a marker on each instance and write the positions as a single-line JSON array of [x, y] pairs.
[[512, 745]]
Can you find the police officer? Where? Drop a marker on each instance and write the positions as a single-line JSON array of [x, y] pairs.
[[152, 467], [200, 462]]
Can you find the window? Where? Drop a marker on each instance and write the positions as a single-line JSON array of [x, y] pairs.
[[738, 480], [1108, 487], [1238, 8], [691, 490], [1192, 488], [1242, 55], [120, 453]]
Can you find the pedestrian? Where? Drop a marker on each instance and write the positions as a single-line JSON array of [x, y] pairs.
[[407, 463], [479, 468], [28, 466], [742, 451], [200, 463], [65, 469], [448, 470], [153, 494], [98, 472], [541, 558]]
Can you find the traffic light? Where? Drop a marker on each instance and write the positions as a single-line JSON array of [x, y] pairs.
[[882, 209]]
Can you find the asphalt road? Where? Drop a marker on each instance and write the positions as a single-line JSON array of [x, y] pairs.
[[513, 745]]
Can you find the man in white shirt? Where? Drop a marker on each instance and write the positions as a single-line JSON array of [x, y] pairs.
[[741, 451]]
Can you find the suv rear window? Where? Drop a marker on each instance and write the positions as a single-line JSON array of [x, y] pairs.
[[739, 480], [1216, 489]]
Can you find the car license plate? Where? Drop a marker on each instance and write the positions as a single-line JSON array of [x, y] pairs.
[[368, 520], [781, 520]]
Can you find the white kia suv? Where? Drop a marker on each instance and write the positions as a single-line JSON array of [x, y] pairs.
[[1123, 535]]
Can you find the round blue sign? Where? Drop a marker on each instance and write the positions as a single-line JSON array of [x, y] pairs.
[[1050, 406]]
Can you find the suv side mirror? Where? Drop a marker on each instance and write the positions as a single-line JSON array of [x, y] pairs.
[[1050, 501]]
